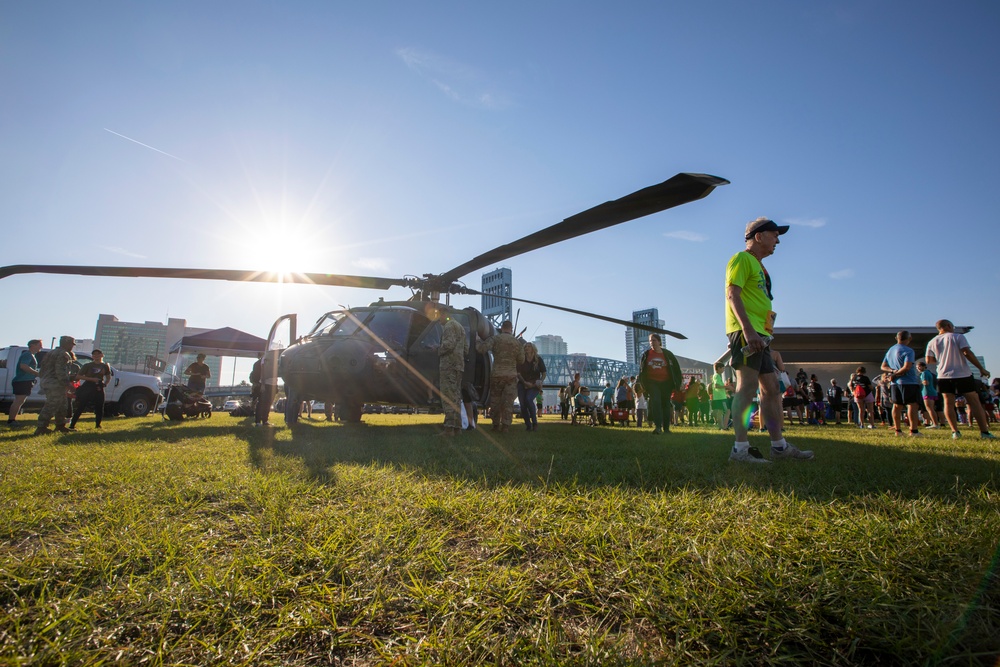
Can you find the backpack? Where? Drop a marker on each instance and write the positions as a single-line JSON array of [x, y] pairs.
[[862, 386]]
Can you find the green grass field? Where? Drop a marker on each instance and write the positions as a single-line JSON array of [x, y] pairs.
[[213, 542]]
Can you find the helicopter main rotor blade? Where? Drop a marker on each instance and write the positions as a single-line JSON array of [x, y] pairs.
[[328, 279], [605, 318], [680, 189]]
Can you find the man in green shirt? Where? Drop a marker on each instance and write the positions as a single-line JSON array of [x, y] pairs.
[[750, 327]]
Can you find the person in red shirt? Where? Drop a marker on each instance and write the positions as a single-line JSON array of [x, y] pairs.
[[660, 375]]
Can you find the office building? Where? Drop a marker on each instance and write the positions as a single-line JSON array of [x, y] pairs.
[[636, 340], [549, 344], [142, 346]]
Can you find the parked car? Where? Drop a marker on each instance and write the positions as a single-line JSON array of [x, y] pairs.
[[231, 405]]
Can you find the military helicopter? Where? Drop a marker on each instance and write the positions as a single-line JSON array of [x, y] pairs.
[[386, 352]]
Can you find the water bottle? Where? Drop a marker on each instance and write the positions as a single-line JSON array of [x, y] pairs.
[[746, 348]]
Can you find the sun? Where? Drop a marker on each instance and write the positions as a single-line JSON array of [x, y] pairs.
[[284, 249]]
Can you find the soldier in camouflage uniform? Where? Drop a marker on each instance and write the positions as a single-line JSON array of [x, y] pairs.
[[454, 347], [507, 354], [56, 376]]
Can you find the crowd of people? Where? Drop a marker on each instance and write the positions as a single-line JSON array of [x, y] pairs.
[[860, 401], [70, 387], [867, 401], [688, 401], [642, 399]]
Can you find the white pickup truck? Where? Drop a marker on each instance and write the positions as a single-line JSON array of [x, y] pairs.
[[131, 394]]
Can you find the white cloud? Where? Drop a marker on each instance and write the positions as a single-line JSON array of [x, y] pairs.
[[122, 251], [459, 82], [685, 235], [815, 223], [843, 274], [371, 263]]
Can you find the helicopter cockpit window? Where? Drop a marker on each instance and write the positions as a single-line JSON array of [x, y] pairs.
[[350, 323], [417, 327], [326, 324], [431, 335], [390, 326]]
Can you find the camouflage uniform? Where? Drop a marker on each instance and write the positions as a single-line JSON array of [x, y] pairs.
[[507, 354], [55, 379], [454, 348]]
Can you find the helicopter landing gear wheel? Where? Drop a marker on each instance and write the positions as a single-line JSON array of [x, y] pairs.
[[292, 405], [353, 411]]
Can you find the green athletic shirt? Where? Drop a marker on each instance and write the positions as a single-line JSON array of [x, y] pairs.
[[746, 272], [718, 388]]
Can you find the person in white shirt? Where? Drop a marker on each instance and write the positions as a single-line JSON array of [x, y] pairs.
[[951, 351], [641, 404]]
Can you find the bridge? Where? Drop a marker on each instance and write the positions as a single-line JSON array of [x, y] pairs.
[[594, 371], [233, 390]]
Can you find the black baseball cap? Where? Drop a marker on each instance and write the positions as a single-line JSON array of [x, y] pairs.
[[764, 225]]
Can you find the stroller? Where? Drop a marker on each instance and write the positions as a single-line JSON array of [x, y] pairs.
[[182, 401]]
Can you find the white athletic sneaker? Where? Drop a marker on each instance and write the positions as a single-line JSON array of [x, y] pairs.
[[955, 435], [751, 455], [790, 452]]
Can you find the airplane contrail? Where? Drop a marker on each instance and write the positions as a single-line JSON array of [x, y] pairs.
[[143, 145]]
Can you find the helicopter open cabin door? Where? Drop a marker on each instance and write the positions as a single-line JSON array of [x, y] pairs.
[[406, 371], [425, 359]]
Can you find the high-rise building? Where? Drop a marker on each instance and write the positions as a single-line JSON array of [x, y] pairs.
[[143, 346], [496, 284], [549, 344], [636, 340]]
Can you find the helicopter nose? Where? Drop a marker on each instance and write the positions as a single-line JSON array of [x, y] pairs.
[[348, 357]]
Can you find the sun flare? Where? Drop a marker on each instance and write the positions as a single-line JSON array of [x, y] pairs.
[[284, 250]]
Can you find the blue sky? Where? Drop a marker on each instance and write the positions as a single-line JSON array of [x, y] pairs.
[[388, 139]]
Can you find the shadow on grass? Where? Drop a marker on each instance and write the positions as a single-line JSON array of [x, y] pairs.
[[846, 463], [147, 430]]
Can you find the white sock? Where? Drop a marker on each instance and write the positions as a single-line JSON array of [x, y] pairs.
[[741, 446], [778, 444]]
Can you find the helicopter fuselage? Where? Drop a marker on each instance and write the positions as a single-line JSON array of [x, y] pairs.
[[383, 353]]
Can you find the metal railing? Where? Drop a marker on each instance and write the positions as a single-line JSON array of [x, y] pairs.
[[235, 390]]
